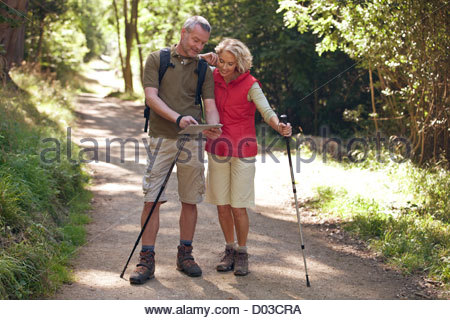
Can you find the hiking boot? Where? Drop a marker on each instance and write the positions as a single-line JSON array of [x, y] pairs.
[[240, 263], [186, 263], [145, 269], [227, 262]]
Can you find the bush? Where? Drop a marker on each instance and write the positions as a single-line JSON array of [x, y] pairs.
[[413, 231], [41, 205]]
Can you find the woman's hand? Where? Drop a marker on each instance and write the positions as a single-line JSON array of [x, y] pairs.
[[212, 133], [284, 129]]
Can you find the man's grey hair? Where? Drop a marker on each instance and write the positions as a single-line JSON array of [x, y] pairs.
[[193, 21]]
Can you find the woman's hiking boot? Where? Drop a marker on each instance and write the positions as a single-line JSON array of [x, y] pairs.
[[227, 262], [186, 263], [241, 264], [145, 269]]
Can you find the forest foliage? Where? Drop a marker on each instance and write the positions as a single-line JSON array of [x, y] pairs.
[[405, 44], [356, 67]]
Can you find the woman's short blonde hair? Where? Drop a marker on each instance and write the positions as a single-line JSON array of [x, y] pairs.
[[239, 50]]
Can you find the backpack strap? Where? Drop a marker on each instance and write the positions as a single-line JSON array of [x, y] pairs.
[[201, 71], [164, 64]]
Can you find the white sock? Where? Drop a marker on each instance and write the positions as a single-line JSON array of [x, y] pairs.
[[242, 249]]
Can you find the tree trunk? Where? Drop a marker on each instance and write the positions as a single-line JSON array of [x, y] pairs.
[[316, 106], [116, 13], [316, 97], [372, 96], [138, 42], [128, 75], [41, 37], [13, 38]]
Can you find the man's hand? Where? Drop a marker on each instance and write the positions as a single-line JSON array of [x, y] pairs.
[[186, 121], [210, 57], [212, 133]]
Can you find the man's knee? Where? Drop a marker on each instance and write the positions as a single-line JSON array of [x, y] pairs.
[[186, 205], [149, 205], [188, 209]]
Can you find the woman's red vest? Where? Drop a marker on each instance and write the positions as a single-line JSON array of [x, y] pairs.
[[237, 115]]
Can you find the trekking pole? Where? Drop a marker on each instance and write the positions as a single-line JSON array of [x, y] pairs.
[[283, 119], [183, 141]]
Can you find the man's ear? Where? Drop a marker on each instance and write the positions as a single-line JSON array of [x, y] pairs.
[[183, 32]]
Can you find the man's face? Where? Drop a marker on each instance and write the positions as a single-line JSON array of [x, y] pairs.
[[192, 43]]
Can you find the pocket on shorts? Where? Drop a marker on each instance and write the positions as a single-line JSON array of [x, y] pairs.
[[202, 185], [157, 150]]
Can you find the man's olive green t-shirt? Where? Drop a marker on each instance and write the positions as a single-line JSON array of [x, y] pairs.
[[177, 90]]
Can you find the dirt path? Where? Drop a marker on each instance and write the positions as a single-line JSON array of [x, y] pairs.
[[338, 267]]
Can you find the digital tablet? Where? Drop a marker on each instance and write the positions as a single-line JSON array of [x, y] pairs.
[[198, 128]]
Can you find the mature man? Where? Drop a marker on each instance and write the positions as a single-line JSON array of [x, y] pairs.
[[172, 104]]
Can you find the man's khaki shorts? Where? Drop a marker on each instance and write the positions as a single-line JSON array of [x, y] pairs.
[[231, 182], [190, 169]]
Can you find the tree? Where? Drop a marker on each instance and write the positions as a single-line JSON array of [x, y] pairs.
[[130, 26], [55, 41], [44, 12], [154, 24], [12, 33], [293, 76], [405, 43], [92, 21]]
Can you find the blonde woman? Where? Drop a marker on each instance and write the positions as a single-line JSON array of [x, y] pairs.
[[231, 158]]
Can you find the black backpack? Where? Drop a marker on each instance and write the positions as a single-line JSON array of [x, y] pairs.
[[164, 63]]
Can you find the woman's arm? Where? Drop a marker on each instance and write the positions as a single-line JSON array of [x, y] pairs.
[[256, 95], [211, 57]]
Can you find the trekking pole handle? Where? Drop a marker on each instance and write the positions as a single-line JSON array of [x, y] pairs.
[[283, 118]]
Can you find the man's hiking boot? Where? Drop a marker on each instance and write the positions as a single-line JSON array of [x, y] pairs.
[[227, 262], [186, 263], [145, 269], [241, 264]]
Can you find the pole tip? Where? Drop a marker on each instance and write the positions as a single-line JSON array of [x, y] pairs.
[[307, 282]]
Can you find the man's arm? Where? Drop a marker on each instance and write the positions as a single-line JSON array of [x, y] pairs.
[[162, 109], [212, 117]]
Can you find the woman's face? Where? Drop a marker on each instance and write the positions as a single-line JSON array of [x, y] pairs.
[[227, 65]]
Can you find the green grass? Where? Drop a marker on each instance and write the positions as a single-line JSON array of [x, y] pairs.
[[404, 212], [42, 206], [126, 96]]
